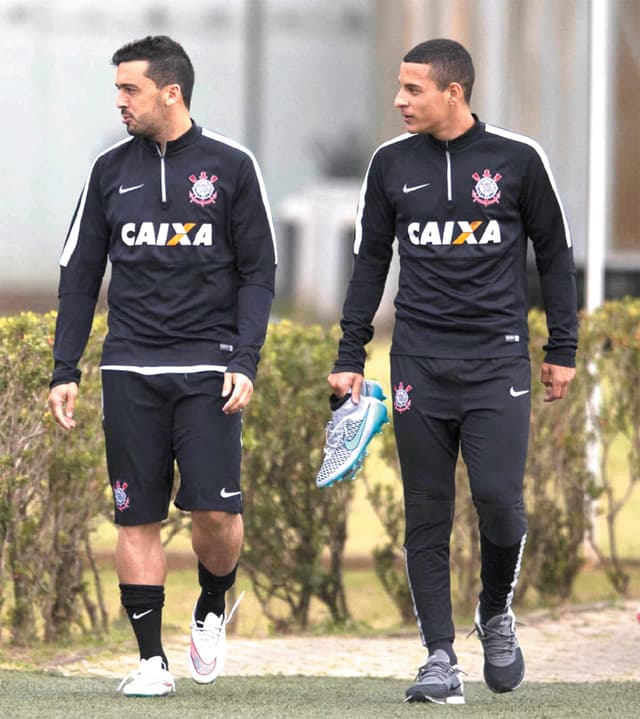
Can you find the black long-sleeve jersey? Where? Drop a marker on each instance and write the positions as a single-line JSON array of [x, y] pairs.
[[190, 238], [461, 212]]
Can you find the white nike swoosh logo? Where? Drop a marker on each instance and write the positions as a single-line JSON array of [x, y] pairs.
[[135, 615], [517, 392], [406, 189], [224, 494], [123, 190]]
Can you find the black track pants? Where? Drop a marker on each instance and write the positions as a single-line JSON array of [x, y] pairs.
[[442, 407]]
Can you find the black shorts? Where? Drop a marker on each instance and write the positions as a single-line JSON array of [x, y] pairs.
[[150, 421], [479, 407]]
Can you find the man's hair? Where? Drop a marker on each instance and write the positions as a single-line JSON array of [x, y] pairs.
[[449, 61], [168, 62]]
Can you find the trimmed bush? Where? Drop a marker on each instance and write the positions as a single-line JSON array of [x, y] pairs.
[[52, 487], [295, 533]]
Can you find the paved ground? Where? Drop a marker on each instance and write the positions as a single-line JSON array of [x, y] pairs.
[[588, 644]]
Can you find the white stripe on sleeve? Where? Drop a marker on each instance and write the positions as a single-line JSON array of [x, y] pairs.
[[74, 233]]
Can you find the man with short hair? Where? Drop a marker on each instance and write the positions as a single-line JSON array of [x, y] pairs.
[[182, 214], [462, 197]]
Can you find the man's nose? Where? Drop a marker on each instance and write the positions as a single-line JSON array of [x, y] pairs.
[[399, 100]]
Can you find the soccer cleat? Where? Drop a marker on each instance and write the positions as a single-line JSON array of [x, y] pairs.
[[208, 649], [371, 388], [151, 679], [349, 431], [503, 660], [437, 681]]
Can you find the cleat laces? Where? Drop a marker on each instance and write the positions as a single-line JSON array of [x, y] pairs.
[[209, 633]]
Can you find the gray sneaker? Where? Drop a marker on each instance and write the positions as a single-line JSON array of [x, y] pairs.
[[503, 660], [437, 681]]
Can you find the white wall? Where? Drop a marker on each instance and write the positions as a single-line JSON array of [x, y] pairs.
[[57, 93]]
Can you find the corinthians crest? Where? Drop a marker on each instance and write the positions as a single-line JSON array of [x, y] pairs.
[[486, 191], [120, 495], [401, 399], [203, 191]]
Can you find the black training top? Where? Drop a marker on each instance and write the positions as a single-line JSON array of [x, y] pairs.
[[190, 238], [461, 212]]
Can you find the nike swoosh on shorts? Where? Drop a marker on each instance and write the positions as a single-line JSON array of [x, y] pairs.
[[225, 495]]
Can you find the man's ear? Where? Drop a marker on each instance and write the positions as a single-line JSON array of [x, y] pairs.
[[456, 93], [173, 94]]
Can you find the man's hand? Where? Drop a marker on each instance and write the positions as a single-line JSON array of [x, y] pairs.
[[240, 387], [556, 379], [342, 383], [62, 403]]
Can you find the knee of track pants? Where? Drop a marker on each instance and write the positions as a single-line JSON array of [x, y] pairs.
[[503, 525], [428, 524]]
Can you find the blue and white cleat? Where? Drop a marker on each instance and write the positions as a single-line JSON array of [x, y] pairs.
[[349, 431], [371, 388]]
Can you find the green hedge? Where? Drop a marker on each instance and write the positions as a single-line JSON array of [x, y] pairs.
[[295, 533], [54, 490]]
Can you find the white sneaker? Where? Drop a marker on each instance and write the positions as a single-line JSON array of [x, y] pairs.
[[208, 650], [151, 679]]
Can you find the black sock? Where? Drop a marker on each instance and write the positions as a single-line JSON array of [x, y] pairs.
[[143, 604], [337, 402], [213, 590], [499, 574]]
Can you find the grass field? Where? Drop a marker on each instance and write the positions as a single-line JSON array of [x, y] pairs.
[[37, 695]]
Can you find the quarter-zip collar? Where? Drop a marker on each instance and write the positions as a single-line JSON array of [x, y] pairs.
[[172, 148], [188, 138], [461, 141], [451, 147]]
